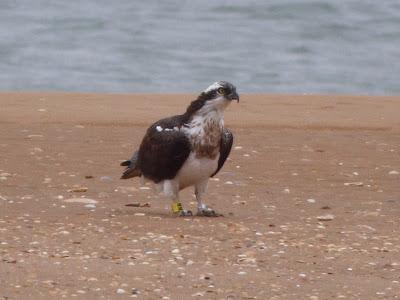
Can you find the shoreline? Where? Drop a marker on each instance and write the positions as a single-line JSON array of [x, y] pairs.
[[291, 111]]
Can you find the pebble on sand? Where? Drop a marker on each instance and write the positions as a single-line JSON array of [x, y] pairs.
[[81, 200], [78, 190], [138, 204], [32, 136], [327, 217], [139, 214], [358, 183]]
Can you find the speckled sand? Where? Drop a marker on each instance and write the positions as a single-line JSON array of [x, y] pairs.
[[311, 197]]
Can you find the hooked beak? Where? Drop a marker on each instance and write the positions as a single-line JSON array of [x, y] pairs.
[[233, 96]]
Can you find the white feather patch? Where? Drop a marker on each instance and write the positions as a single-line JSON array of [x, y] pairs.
[[214, 86]]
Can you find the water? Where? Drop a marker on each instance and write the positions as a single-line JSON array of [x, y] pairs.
[[277, 46]]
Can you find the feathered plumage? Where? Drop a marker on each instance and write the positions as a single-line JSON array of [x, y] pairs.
[[186, 149]]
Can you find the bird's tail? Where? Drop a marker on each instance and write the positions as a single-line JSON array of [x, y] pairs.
[[132, 169]]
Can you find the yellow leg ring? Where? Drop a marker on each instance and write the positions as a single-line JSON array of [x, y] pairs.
[[176, 207]]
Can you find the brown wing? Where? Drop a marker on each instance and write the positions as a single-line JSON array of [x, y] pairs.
[[225, 148], [163, 150]]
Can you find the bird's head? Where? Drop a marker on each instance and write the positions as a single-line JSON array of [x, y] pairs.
[[216, 97]]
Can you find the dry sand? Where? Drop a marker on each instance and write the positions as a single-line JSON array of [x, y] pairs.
[[311, 197]]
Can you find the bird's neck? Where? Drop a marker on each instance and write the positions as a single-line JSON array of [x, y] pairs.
[[211, 119]]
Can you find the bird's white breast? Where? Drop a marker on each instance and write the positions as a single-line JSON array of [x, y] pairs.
[[196, 170], [204, 133]]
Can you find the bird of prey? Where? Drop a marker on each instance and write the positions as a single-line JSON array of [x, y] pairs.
[[186, 150]]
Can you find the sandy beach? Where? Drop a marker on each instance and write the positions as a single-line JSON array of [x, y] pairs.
[[310, 197]]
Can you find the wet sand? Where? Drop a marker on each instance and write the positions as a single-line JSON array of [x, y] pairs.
[[310, 194]]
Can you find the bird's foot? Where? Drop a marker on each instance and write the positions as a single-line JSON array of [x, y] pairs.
[[178, 210], [207, 212], [185, 213]]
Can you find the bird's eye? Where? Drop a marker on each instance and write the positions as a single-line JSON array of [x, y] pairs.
[[221, 91]]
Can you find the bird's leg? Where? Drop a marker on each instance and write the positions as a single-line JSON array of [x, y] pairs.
[[171, 189], [202, 209]]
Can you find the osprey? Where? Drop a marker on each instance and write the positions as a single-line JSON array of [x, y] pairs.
[[187, 149]]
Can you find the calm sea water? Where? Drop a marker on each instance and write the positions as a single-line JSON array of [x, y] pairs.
[[277, 46]]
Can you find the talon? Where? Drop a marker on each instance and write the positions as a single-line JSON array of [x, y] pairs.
[[185, 213], [208, 212]]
